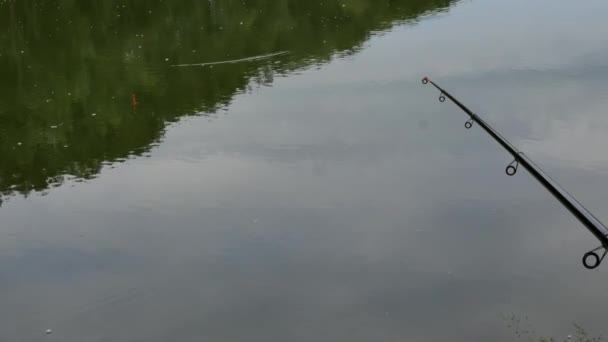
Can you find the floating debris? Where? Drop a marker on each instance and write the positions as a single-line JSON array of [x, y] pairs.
[[94, 114], [49, 331], [248, 59]]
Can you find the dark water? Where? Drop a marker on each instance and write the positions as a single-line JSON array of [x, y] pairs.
[[314, 191]]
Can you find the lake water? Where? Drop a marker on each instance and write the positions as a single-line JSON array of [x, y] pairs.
[[307, 187]]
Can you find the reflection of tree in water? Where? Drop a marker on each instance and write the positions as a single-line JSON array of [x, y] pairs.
[[70, 67]]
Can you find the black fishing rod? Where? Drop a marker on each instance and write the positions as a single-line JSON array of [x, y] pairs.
[[591, 259]]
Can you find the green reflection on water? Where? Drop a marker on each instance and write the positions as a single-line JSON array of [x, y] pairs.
[[69, 69]]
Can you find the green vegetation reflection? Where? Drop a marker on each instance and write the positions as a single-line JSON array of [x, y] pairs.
[[84, 83]]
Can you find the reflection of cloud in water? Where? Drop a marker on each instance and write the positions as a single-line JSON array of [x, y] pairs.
[[580, 143], [548, 114], [53, 264]]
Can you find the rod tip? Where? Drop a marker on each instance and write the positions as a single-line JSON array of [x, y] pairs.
[[425, 80]]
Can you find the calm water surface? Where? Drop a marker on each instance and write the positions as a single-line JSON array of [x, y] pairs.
[[320, 194]]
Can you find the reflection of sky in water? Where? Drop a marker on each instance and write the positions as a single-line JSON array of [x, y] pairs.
[[345, 203]]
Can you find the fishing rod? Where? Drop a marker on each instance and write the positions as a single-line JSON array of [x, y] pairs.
[[591, 259]]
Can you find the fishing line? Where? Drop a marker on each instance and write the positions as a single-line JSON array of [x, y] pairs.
[[591, 259]]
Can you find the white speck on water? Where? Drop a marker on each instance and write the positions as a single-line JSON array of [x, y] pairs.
[[49, 331], [22, 51], [166, 59], [19, 143], [241, 23], [93, 114], [69, 94], [66, 146]]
